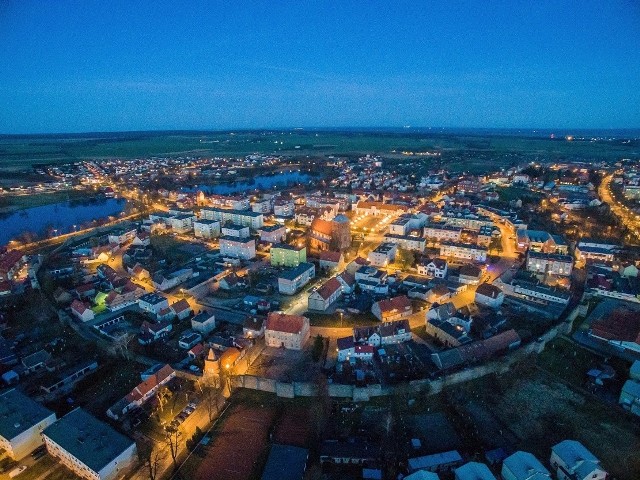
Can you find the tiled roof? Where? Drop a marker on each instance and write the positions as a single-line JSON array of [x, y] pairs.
[[281, 322]]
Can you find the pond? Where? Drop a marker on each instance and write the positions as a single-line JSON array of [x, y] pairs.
[[58, 218], [261, 182]]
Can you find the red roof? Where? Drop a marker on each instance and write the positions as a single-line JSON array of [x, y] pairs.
[[281, 322], [621, 324], [364, 349], [78, 306], [9, 260], [322, 226], [347, 278], [330, 256], [180, 306], [400, 303], [329, 288], [150, 383]]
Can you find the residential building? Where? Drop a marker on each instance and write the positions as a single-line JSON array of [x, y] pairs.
[[394, 308], [204, 322], [89, 447], [182, 223], [470, 274], [166, 281], [292, 280], [121, 236], [22, 421], [62, 381], [463, 251], [442, 233], [379, 208], [253, 220], [382, 255], [407, 242], [235, 230], [331, 260], [233, 202], [81, 311], [322, 298], [572, 461], [181, 309], [242, 248], [438, 462], [288, 331], [524, 466], [189, 340], [473, 471], [272, 233], [152, 332], [630, 396], [142, 392], [285, 255], [540, 241], [283, 208], [153, 303], [489, 295], [206, 228], [619, 327], [549, 263], [436, 268]]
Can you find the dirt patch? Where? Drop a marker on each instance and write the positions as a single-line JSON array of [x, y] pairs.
[[294, 427], [239, 446]]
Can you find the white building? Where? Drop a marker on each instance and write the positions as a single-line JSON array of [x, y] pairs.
[[407, 242], [489, 295], [206, 228], [89, 447], [322, 298], [572, 461], [153, 303], [554, 264], [182, 223], [524, 466], [235, 230], [273, 233], [22, 421], [442, 233], [383, 254], [463, 251], [244, 248], [204, 322], [436, 268], [288, 331], [292, 280], [122, 236], [253, 220]]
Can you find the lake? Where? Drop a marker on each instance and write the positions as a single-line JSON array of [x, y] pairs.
[[64, 217], [261, 182]]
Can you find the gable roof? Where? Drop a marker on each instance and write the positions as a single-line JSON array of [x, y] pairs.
[[330, 256], [488, 290], [281, 322], [328, 288], [400, 303], [621, 325]]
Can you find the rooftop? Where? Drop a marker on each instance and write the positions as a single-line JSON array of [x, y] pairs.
[[89, 440], [18, 413]]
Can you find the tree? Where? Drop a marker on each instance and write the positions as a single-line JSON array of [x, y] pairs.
[[172, 439], [405, 258], [151, 457]]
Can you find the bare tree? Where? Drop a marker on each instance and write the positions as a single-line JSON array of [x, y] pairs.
[[152, 457], [121, 345], [172, 439]]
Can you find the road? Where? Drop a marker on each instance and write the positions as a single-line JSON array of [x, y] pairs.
[[626, 216]]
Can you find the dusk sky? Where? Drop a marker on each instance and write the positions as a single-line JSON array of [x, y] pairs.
[[109, 66]]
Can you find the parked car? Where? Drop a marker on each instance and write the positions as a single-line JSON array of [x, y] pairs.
[[17, 471]]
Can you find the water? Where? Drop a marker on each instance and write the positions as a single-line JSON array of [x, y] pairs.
[[261, 182], [64, 217]]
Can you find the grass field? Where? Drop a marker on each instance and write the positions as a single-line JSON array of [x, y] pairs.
[[22, 152]]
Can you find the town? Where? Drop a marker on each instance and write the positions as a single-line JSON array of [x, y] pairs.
[[339, 317]]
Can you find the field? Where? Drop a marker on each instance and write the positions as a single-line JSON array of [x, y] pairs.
[[22, 152]]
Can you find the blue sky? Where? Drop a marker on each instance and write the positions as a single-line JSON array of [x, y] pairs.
[[107, 66]]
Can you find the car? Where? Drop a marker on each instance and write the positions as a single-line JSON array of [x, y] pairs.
[[39, 452], [192, 405], [17, 471], [188, 410]]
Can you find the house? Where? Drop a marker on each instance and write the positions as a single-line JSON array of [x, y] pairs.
[[285, 462], [322, 298], [36, 361], [572, 461], [164, 282], [181, 309], [441, 232], [121, 236], [470, 274], [203, 322], [407, 242], [436, 268], [473, 471], [152, 332], [620, 328], [439, 293], [392, 309], [292, 280], [347, 281], [87, 290], [81, 311], [287, 331], [21, 423], [62, 381], [189, 339], [345, 348], [142, 392], [452, 331], [489, 295], [232, 282], [284, 255], [383, 254], [242, 248], [142, 239], [524, 466], [197, 351], [253, 327], [630, 396], [394, 332], [330, 260], [476, 352], [90, 448], [153, 303]]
